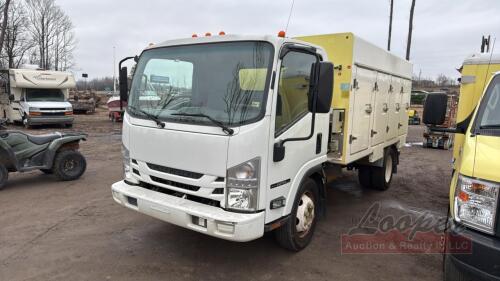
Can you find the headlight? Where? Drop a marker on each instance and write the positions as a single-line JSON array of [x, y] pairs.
[[476, 203], [69, 108], [243, 186], [127, 170]]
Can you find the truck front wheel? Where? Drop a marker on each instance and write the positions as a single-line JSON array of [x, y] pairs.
[[298, 231], [4, 175]]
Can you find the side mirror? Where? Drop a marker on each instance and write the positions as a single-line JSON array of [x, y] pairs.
[[123, 79], [11, 98], [321, 87], [435, 107]]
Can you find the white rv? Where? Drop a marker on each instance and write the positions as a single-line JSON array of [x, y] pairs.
[[36, 97], [247, 134]]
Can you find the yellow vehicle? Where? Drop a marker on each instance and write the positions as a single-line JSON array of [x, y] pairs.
[[474, 191], [413, 117]]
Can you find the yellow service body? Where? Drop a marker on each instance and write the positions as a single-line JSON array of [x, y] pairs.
[[371, 98], [475, 156]]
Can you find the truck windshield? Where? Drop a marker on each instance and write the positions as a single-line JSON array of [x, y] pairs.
[[490, 107], [44, 95], [226, 81]]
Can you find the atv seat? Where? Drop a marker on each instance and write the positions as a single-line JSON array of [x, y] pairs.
[[43, 139]]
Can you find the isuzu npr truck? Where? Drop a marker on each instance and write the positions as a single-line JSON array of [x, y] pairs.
[[233, 136]]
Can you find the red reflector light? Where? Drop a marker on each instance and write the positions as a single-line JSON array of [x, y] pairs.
[[463, 196], [281, 34]]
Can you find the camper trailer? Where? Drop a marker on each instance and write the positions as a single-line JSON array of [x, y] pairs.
[[36, 97]]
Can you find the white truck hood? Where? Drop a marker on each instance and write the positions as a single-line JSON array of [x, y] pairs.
[[48, 104], [194, 152]]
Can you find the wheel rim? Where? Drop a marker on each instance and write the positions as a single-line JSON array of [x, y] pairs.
[[71, 166], [388, 168], [305, 214]]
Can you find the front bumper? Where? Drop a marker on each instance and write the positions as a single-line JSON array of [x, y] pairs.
[[182, 212], [483, 262], [45, 120]]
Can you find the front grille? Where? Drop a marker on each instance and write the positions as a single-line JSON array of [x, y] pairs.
[[175, 184], [177, 172], [218, 191], [54, 109], [190, 197], [52, 113]]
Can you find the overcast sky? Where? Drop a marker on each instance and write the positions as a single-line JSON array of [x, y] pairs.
[[445, 31]]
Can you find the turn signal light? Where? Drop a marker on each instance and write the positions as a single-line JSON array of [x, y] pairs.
[[35, 113], [281, 34], [68, 113]]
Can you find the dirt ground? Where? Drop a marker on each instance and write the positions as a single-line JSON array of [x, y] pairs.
[[52, 230]]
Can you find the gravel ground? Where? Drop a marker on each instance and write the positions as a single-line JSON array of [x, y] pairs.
[[54, 230]]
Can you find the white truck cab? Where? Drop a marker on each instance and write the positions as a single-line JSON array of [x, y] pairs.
[[36, 97], [244, 129]]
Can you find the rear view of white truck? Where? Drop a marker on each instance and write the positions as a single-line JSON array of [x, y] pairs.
[[243, 129]]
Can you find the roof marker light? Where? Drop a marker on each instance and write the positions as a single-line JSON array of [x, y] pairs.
[[194, 35], [208, 34], [222, 33], [281, 34]]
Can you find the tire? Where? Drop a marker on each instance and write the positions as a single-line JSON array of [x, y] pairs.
[[298, 231], [365, 176], [47, 171], [451, 272], [382, 176], [69, 165], [4, 176]]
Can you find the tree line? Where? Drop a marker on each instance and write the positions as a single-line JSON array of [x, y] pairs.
[[35, 32]]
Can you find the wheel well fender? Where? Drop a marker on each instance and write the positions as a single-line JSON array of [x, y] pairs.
[[316, 173], [65, 143]]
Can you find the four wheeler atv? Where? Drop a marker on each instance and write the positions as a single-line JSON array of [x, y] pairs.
[[55, 153]]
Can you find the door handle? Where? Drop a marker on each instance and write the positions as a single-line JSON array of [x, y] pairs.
[[386, 107], [374, 133], [399, 125], [398, 107], [368, 108]]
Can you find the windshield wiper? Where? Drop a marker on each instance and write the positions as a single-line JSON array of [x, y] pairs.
[[225, 128], [152, 117]]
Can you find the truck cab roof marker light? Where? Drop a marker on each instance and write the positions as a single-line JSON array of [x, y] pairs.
[[208, 34], [194, 35], [222, 33], [281, 34]]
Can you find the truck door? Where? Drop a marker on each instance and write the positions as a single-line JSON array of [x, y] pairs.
[[405, 106], [362, 109], [394, 108], [381, 109], [292, 119]]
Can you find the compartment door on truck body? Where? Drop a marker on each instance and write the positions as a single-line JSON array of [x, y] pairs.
[[405, 106], [381, 109], [362, 109], [394, 108], [292, 119]]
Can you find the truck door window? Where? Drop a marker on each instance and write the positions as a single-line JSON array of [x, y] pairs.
[[293, 89]]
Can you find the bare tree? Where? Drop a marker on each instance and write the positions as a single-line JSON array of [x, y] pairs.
[[17, 41], [410, 30], [5, 17], [52, 31], [390, 27]]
